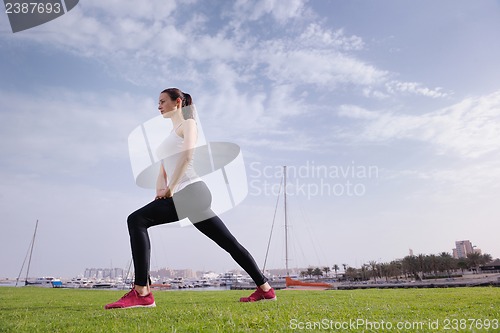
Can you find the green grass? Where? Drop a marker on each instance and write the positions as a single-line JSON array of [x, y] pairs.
[[31, 309]]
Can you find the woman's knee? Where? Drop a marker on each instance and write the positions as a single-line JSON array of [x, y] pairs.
[[232, 246], [135, 221]]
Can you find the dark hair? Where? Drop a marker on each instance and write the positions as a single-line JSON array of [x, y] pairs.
[[175, 93]]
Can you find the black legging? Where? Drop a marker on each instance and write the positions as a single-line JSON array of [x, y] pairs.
[[163, 211]]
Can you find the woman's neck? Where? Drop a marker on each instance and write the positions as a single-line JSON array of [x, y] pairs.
[[177, 119]]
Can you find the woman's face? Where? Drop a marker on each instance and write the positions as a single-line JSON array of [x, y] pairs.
[[166, 105]]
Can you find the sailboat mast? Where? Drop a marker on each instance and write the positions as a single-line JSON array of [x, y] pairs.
[[31, 252], [286, 223]]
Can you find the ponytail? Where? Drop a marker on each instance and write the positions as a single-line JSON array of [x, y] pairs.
[[187, 100], [187, 109]]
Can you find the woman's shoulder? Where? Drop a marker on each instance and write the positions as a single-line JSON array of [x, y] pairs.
[[189, 124], [189, 128]]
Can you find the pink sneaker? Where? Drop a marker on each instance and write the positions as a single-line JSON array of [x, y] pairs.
[[133, 300], [260, 295]]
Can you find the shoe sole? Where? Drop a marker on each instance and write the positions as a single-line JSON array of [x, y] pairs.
[[270, 299], [135, 306], [265, 299]]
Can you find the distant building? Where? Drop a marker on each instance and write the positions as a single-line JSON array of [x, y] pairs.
[[493, 266], [463, 248], [103, 273], [185, 273], [169, 273]]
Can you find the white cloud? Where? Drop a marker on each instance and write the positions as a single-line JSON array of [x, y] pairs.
[[150, 10], [415, 88], [67, 132], [112, 30], [370, 92], [214, 48], [470, 128], [253, 118], [149, 42], [323, 68], [281, 11], [470, 183], [356, 112], [317, 36], [283, 102], [256, 79], [152, 38]]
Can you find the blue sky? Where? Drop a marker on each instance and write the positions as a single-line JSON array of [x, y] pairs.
[[408, 88]]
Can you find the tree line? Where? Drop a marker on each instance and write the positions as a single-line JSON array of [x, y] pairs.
[[410, 267]]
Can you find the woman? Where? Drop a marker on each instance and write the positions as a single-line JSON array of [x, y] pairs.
[[178, 184]]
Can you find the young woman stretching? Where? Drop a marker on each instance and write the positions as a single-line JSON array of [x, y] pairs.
[[177, 185]]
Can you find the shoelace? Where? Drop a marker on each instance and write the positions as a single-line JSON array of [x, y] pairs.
[[256, 294], [125, 296]]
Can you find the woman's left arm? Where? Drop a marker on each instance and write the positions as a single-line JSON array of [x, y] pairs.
[[190, 134]]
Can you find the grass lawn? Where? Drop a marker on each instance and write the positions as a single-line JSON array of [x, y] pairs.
[[31, 309]]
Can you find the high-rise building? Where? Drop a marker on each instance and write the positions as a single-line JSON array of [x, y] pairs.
[[462, 249]]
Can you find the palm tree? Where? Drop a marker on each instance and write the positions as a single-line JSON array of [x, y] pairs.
[[351, 273], [447, 262], [336, 268], [317, 272], [422, 264], [462, 264], [385, 271], [396, 268], [310, 271], [474, 260], [433, 263], [373, 266], [410, 266], [364, 268], [486, 258], [326, 270]]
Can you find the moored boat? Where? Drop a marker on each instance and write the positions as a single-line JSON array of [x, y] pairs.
[[47, 282], [297, 284]]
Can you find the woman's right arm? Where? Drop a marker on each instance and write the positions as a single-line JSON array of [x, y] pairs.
[[161, 183]]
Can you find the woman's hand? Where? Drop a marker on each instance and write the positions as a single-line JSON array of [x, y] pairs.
[[163, 193], [162, 190]]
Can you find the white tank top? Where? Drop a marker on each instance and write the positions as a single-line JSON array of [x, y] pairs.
[[169, 153]]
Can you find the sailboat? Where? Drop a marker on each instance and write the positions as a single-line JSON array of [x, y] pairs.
[[41, 281], [289, 281]]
